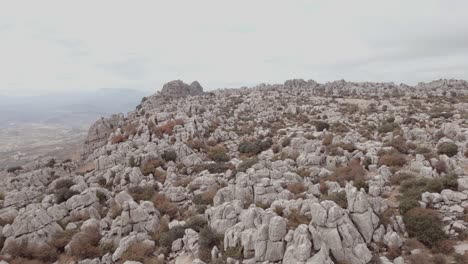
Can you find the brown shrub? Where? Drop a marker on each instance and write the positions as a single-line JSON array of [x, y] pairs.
[[392, 159], [138, 252], [338, 197], [143, 193], [159, 175], [60, 239], [323, 187], [31, 251], [86, 244], [393, 252], [295, 218], [276, 148], [130, 129], [399, 143], [297, 187], [327, 139], [444, 246], [218, 153], [441, 166], [419, 258], [149, 166], [118, 139], [206, 197], [351, 172], [165, 206]]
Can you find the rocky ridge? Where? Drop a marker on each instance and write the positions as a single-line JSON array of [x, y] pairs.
[[299, 172]]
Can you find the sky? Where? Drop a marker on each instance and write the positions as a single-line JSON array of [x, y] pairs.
[[64, 46]]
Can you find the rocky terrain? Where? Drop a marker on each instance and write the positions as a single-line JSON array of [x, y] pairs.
[[299, 172]]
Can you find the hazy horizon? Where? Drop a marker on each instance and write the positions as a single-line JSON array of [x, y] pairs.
[[56, 46]]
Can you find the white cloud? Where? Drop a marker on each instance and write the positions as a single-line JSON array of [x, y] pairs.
[[64, 45]]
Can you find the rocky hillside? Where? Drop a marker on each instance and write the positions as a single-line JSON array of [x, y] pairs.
[[299, 172]]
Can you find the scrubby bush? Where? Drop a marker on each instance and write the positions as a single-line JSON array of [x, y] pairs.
[[447, 148], [14, 169], [167, 238], [143, 193], [218, 153], [295, 218], [27, 252], [339, 127], [164, 205], [118, 139], [392, 159], [208, 238], [249, 147], [321, 125], [196, 223], [149, 166], [206, 197], [440, 166], [400, 144], [338, 197], [412, 188], [234, 252], [297, 187], [351, 172], [62, 190], [424, 225], [169, 155], [86, 244], [388, 127], [286, 142], [60, 239], [140, 251]]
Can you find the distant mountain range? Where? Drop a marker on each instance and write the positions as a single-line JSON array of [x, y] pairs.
[[75, 109]]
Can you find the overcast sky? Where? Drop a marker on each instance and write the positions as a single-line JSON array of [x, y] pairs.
[[48, 46]]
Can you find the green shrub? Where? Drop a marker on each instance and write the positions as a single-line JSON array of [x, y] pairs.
[[447, 148], [14, 169], [412, 188], [169, 155], [218, 154], [424, 225], [208, 238], [248, 147], [321, 125], [168, 237], [234, 252]]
